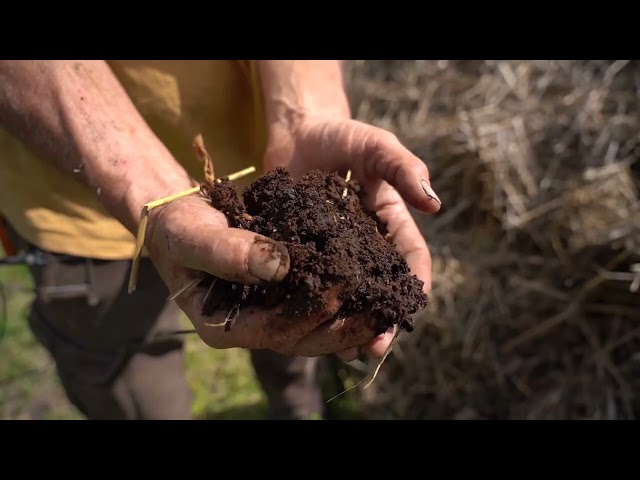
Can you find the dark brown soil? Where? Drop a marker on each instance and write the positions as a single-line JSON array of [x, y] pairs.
[[332, 242]]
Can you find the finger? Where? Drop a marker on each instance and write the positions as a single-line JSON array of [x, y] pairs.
[[384, 157], [232, 254], [403, 231], [378, 346], [253, 327], [349, 355], [202, 241], [375, 348], [412, 246], [286, 331], [336, 335], [372, 152]]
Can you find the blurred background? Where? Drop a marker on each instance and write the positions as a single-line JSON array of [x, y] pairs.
[[535, 308]]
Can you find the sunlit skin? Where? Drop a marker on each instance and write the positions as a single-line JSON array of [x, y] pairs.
[[64, 111]]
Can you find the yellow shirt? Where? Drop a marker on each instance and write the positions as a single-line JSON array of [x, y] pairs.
[[179, 99]]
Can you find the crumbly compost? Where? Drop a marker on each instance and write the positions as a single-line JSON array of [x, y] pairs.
[[334, 244]]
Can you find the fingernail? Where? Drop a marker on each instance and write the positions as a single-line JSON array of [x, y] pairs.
[[268, 260], [429, 191]]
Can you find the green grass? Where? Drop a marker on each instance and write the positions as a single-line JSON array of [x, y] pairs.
[[222, 381]]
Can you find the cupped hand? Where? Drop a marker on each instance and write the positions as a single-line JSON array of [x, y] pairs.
[[188, 237], [391, 177]]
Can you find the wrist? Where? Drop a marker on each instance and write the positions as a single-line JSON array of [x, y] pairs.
[[289, 114], [298, 93], [295, 90], [144, 181], [76, 115], [288, 127]]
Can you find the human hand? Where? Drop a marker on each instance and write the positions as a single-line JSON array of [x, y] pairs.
[[389, 174], [188, 237]]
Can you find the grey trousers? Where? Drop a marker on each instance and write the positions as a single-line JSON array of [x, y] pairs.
[[109, 359]]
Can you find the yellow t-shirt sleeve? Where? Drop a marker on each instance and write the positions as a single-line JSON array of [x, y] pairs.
[[179, 99]]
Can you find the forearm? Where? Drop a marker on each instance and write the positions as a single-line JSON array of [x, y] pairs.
[[295, 88], [76, 115]]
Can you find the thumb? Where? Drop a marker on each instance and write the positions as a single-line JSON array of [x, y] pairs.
[[231, 254], [188, 233]]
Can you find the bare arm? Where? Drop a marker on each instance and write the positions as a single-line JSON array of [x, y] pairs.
[[309, 124], [77, 115], [293, 88]]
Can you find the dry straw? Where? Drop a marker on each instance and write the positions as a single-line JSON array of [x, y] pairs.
[[536, 252]]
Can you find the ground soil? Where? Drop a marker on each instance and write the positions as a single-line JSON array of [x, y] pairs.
[[332, 243]]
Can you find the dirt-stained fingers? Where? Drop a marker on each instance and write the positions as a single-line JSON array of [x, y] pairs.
[[376, 348], [336, 335], [253, 327], [201, 240]]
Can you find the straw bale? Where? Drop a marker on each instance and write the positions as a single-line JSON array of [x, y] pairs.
[[535, 308]]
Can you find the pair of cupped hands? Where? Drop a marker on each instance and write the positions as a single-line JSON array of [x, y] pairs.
[[188, 237]]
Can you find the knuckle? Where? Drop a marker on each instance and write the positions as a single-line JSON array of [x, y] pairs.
[[382, 138], [388, 138]]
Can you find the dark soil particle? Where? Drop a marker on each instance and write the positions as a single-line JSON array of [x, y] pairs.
[[333, 244]]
